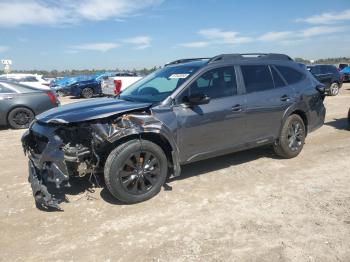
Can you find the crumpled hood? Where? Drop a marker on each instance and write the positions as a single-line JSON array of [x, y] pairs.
[[89, 110]]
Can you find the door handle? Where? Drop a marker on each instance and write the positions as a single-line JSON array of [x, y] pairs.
[[285, 98], [237, 108]]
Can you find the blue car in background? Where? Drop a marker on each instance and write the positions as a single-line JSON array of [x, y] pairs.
[[346, 73], [62, 85], [85, 86]]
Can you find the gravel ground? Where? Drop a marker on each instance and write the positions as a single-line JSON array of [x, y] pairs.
[[247, 206]]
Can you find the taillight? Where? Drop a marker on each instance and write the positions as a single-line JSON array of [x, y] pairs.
[[52, 97], [117, 86]]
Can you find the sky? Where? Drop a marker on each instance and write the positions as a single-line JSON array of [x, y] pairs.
[[127, 34]]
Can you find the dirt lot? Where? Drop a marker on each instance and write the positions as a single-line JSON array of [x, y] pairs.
[[247, 206]]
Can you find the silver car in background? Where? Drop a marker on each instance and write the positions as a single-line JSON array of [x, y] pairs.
[[19, 104]]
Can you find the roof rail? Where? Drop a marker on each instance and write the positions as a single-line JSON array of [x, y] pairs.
[[262, 56], [185, 60]]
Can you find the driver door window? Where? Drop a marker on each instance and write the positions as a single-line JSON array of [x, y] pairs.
[[216, 83]]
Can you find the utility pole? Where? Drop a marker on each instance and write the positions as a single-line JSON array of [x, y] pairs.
[[7, 65]]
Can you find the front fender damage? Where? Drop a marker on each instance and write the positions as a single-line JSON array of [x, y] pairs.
[[59, 152]]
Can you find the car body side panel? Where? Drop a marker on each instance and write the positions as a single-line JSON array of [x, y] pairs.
[[311, 103], [209, 128]]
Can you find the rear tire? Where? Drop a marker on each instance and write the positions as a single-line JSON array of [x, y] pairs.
[[334, 89], [292, 137], [20, 117], [135, 171], [87, 92]]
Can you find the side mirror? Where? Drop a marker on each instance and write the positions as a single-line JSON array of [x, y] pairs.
[[196, 99]]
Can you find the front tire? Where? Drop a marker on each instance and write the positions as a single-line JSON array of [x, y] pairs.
[[135, 171], [334, 89], [87, 92], [292, 138], [20, 117]]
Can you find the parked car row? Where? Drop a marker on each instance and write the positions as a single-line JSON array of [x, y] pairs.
[[32, 80], [101, 84]]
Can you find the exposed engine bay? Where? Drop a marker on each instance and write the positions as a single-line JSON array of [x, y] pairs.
[[58, 152]]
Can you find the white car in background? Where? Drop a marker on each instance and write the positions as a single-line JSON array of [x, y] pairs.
[[32, 80], [113, 85]]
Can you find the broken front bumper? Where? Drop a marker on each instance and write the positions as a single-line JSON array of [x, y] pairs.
[[46, 163]]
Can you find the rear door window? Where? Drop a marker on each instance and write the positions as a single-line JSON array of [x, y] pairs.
[[257, 78], [291, 75]]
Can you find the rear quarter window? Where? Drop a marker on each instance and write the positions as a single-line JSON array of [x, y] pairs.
[[291, 75], [277, 79]]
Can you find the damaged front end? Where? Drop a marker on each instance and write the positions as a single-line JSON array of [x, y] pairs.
[[58, 152]]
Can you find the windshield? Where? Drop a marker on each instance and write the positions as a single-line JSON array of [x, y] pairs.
[[158, 85]]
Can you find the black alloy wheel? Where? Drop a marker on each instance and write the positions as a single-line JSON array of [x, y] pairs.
[[140, 172], [20, 118], [135, 171], [87, 92]]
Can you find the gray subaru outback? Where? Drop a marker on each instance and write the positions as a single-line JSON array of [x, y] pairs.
[[190, 110]]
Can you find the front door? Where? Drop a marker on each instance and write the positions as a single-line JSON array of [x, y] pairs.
[[218, 125]]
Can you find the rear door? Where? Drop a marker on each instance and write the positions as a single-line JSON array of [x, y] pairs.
[[267, 96]]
